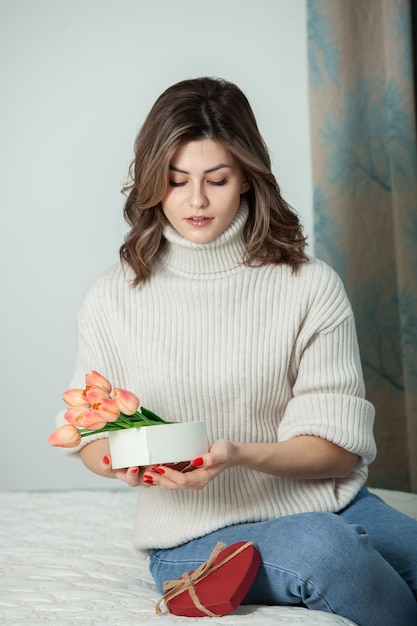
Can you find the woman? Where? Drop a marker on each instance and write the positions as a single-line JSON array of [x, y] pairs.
[[216, 313]]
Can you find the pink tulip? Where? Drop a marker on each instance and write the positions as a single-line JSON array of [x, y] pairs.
[[66, 436], [74, 412], [106, 409], [126, 401], [90, 420], [95, 394], [94, 379], [75, 397]]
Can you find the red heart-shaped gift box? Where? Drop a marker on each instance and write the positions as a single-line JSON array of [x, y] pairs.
[[221, 587]]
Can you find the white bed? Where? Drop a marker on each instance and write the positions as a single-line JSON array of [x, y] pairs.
[[66, 558]]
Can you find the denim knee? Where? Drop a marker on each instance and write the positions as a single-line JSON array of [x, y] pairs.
[[325, 563], [318, 534], [315, 543]]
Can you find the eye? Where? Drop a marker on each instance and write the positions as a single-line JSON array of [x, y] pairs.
[[173, 183], [218, 182]]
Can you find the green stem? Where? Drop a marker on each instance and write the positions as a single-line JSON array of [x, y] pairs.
[[143, 417], [124, 421]]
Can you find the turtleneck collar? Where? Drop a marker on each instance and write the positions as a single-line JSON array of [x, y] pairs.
[[223, 254]]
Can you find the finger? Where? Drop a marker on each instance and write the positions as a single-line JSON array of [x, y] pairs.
[[148, 479], [172, 479], [200, 461], [132, 476], [171, 473], [219, 454], [105, 463], [129, 475], [208, 460]]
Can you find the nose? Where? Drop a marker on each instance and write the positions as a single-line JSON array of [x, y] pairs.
[[198, 198]]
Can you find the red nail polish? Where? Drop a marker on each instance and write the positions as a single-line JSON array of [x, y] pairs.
[[134, 470], [160, 470], [106, 460], [148, 481], [147, 477], [197, 462]]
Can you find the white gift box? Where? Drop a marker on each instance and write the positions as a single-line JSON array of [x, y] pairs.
[[162, 443]]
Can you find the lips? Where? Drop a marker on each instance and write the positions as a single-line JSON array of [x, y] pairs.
[[198, 220]]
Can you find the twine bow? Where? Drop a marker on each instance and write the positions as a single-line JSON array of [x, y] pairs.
[[173, 588]]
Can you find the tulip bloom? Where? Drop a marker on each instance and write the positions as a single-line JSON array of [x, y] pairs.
[[74, 412], [106, 409], [94, 379], [66, 436], [75, 397], [94, 395], [126, 401], [90, 420]]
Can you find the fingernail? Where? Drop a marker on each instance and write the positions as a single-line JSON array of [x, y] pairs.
[[147, 477], [106, 460], [134, 470], [197, 462], [148, 481], [160, 470]]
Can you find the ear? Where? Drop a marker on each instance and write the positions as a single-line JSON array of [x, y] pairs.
[[245, 186]]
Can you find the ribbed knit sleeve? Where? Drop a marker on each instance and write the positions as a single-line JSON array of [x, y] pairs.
[[328, 394], [328, 389]]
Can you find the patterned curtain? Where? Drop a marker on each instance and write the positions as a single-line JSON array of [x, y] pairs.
[[362, 111]]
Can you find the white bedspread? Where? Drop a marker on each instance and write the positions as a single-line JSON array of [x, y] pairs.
[[66, 558]]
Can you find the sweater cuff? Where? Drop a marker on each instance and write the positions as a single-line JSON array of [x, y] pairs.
[[342, 419]]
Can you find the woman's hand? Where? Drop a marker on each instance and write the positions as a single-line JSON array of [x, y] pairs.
[[96, 456], [195, 475], [129, 475]]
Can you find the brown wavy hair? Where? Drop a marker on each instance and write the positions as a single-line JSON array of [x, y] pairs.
[[192, 110]]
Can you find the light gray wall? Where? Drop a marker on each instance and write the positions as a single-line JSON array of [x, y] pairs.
[[78, 78]]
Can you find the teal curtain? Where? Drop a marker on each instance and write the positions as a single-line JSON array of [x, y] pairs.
[[363, 141]]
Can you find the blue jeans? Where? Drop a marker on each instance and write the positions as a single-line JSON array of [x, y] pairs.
[[360, 563]]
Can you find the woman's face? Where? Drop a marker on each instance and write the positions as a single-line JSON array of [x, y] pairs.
[[204, 190]]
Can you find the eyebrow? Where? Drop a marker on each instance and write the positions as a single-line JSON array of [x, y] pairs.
[[220, 166]]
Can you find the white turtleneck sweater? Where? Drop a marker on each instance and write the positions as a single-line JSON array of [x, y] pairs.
[[261, 354]]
